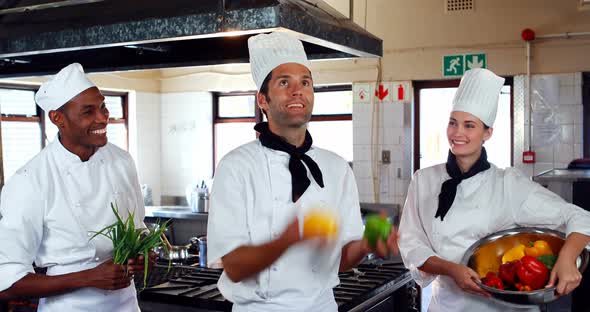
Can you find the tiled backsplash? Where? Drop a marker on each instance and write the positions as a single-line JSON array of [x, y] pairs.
[[563, 94], [561, 119], [394, 122]]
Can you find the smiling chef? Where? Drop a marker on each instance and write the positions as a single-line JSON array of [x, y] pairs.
[[51, 206], [262, 186]]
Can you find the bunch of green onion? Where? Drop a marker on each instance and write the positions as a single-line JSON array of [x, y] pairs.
[[130, 242]]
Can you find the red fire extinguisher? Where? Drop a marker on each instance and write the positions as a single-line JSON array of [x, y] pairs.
[[400, 92]]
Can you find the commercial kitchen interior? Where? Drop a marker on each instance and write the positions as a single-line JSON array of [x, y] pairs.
[[379, 101]]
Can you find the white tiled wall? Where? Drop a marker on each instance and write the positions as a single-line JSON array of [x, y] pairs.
[[186, 140], [146, 131], [395, 130], [563, 94], [393, 119]]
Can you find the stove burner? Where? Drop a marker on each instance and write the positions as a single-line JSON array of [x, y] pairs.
[[195, 286]]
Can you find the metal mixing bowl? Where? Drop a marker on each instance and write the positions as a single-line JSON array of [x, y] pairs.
[[486, 255]]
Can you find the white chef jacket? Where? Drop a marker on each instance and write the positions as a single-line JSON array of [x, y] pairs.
[[251, 205], [491, 201], [51, 207]]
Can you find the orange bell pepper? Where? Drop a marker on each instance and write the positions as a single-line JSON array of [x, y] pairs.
[[514, 253], [538, 248]]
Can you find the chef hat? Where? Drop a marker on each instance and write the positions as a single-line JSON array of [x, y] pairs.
[[267, 51], [478, 94], [64, 86]]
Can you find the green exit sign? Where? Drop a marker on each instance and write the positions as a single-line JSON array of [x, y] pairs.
[[457, 64]]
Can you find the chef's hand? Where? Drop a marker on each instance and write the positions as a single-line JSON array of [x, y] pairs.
[[108, 276], [291, 234], [384, 248], [465, 278], [566, 274], [136, 266]]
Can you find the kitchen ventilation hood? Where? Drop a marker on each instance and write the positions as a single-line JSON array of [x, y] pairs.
[[39, 37]]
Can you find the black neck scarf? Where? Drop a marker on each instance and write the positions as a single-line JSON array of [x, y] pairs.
[[449, 187], [299, 180]]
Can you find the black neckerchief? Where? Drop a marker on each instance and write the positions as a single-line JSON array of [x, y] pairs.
[[299, 180], [449, 187]]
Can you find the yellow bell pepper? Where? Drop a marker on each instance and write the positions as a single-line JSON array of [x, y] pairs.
[[538, 248], [514, 253]]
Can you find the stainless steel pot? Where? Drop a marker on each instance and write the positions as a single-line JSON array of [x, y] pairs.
[[174, 253], [485, 255], [170, 252]]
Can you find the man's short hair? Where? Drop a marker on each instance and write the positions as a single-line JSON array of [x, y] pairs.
[[264, 90], [264, 86]]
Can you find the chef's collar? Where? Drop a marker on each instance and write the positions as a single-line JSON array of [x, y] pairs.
[[472, 184], [68, 158], [278, 153]]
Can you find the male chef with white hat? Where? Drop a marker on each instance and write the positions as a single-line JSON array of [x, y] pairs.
[[53, 205], [262, 187], [450, 206]]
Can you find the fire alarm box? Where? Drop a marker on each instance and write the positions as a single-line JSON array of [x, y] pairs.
[[528, 157]]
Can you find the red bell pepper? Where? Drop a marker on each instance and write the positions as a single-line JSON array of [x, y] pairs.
[[507, 271], [532, 272], [492, 280]]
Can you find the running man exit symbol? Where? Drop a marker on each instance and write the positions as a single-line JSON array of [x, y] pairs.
[[456, 65], [453, 65]]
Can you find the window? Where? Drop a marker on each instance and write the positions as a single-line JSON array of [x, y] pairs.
[[117, 127], [235, 115], [332, 118], [21, 128], [26, 128], [433, 106]]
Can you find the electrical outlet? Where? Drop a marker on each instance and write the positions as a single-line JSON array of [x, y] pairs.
[[386, 156]]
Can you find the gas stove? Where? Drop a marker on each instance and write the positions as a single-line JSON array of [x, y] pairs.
[[376, 286]]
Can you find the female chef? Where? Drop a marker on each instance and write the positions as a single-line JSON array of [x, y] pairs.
[[450, 206]]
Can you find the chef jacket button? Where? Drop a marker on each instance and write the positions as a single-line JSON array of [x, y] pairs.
[[314, 270], [274, 268], [276, 198]]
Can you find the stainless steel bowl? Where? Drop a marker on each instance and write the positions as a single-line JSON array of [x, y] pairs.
[[486, 255]]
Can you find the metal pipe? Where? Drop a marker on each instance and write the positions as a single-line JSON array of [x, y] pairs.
[[566, 35], [528, 95]]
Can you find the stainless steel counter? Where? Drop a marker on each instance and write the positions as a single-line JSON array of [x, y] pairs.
[[184, 212], [174, 212], [565, 175]]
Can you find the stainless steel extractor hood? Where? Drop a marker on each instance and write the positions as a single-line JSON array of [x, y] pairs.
[[38, 37]]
